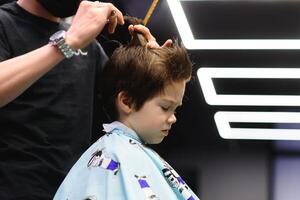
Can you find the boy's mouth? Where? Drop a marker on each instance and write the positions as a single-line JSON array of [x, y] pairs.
[[165, 132]]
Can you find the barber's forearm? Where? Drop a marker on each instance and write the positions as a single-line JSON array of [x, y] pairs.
[[19, 73]]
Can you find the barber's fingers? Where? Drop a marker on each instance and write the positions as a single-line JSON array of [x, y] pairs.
[[151, 41], [152, 44], [145, 32], [114, 17], [96, 3], [112, 21], [89, 21], [120, 17], [168, 43], [131, 29]]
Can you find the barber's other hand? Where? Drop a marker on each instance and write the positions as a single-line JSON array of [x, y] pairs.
[[149, 37], [89, 21]]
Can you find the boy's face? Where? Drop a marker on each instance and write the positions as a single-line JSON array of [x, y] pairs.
[[154, 120]]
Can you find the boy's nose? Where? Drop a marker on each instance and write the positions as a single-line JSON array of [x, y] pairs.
[[172, 119]]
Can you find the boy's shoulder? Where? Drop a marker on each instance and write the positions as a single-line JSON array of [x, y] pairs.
[[118, 145], [119, 149]]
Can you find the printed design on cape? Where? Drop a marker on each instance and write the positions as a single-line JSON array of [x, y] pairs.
[[107, 134], [91, 198], [149, 194], [99, 159], [132, 142], [176, 181], [137, 144]]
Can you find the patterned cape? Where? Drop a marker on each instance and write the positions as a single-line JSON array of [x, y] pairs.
[[119, 166]]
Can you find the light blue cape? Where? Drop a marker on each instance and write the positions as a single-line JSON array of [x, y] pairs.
[[120, 167]]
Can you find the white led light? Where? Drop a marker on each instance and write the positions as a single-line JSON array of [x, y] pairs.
[[223, 119], [205, 76], [191, 43]]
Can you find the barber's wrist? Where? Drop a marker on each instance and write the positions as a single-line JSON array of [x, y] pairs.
[[58, 40], [72, 41]]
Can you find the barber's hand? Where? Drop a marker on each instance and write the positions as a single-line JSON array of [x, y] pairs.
[[89, 21], [149, 37]]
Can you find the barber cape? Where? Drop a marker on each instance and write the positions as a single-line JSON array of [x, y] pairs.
[[119, 166]]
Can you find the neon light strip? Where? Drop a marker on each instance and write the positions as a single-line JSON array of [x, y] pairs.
[[223, 119], [205, 76], [222, 44]]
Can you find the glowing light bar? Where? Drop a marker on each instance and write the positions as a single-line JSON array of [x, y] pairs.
[[223, 119], [222, 44], [205, 76]]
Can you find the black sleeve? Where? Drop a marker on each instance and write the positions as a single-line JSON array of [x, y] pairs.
[[102, 58], [4, 46], [99, 116]]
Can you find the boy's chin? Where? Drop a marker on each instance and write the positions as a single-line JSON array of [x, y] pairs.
[[155, 141]]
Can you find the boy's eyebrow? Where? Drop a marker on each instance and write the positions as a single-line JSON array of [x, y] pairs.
[[172, 102]]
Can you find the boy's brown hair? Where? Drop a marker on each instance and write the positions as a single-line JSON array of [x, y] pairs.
[[142, 73]]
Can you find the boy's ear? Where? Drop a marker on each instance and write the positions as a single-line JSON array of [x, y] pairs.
[[123, 102]]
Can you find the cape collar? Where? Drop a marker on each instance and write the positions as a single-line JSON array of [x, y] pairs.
[[123, 129]]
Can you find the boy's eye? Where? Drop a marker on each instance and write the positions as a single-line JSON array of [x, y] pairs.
[[164, 108]]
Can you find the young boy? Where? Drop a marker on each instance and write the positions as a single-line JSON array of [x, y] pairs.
[[141, 90]]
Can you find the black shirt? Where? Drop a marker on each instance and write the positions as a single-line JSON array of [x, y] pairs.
[[44, 130]]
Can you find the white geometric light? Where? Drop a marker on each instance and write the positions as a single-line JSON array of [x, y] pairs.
[[222, 44], [223, 119], [205, 76]]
